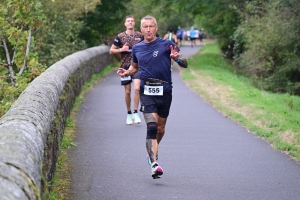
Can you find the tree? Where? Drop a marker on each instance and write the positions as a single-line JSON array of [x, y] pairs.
[[18, 19], [58, 35], [169, 18], [19, 66], [271, 31], [217, 17], [103, 21]]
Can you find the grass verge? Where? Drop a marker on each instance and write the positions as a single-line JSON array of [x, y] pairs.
[[61, 183], [273, 117]]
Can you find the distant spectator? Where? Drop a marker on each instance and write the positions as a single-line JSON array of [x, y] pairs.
[[193, 37], [201, 35], [171, 36], [188, 35], [196, 35], [179, 34], [184, 35]]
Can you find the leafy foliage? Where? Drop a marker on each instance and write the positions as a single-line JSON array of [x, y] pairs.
[[103, 21], [18, 66], [271, 34], [169, 14], [34, 34], [217, 17], [58, 36]]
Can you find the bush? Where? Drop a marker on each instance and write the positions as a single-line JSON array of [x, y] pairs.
[[271, 55]]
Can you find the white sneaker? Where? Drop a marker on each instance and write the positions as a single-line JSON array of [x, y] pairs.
[[129, 119], [136, 118]]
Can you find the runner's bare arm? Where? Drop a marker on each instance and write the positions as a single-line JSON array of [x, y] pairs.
[[115, 49], [134, 67], [132, 70]]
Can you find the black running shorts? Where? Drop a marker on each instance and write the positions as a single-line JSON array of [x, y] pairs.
[[156, 104], [134, 76]]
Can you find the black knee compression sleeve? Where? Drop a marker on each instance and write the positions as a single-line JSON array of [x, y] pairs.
[[151, 130]]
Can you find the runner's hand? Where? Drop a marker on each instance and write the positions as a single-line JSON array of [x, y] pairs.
[[125, 47], [122, 72], [174, 53]]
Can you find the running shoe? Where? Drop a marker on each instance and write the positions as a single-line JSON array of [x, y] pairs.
[[137, 119], [129, 119], [149, 160], [156, 170]]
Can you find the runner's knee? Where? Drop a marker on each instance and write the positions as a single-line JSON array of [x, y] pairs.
[[151, 130], [127, 92], [137, 90]]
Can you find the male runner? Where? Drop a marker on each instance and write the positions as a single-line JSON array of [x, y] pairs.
[[179, 34], [123, 45], [193, 37], [151, 59]]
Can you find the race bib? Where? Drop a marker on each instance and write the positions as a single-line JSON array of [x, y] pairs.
[[153, 90], [153, 87], [126, 78]]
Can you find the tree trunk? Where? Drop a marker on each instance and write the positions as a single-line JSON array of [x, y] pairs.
[[27, 52], [11, 71]]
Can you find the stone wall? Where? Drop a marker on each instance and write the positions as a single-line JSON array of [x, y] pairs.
[[31, 131]]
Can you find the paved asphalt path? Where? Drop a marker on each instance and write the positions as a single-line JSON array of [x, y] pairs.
[[205, 156]]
